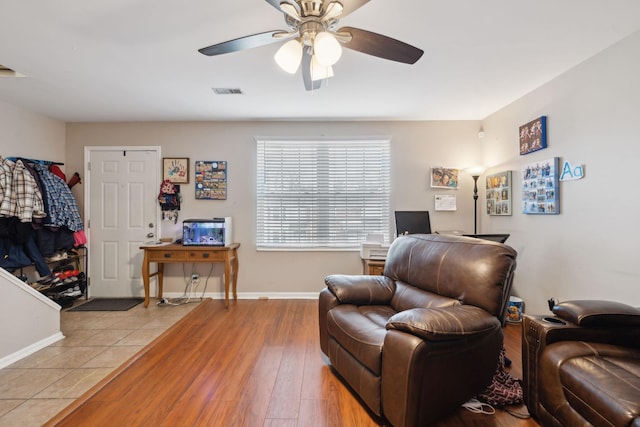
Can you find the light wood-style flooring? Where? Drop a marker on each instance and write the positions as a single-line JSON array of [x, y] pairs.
[[256, 364]]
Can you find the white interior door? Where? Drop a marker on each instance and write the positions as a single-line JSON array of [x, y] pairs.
[[123, 215]]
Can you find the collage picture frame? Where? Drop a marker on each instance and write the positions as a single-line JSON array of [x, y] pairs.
[[498, 193], [540, 185]]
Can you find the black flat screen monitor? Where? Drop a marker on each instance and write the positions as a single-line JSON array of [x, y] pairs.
[[500, 238], [412, 222]]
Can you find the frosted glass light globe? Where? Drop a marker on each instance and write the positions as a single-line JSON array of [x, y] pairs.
[[327, 48], [288, 57]]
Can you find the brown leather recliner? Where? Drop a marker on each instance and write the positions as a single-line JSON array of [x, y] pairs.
[[581, 367], [425, 337]]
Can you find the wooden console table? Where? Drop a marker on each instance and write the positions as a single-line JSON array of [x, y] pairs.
[[177, 253]]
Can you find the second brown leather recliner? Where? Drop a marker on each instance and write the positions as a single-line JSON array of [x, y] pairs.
[[425, 337]]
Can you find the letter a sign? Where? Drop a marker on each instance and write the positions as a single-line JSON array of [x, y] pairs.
[[571, 173]]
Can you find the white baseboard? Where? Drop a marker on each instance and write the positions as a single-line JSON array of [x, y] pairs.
[[248, 295], [22, 353]]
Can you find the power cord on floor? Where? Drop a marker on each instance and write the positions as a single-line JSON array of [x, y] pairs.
[[191, 286], [477, 407]]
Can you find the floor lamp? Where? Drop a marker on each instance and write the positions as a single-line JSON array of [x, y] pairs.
[[475, 173]]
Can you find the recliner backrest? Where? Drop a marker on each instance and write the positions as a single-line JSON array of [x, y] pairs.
[[471, 271]]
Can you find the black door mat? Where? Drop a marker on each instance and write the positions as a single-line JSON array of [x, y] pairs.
[[108, 304]]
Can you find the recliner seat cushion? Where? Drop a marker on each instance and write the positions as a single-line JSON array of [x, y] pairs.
[[601, 382], [360, 330]]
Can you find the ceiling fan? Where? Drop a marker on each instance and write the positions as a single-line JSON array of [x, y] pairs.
[[314, 43]]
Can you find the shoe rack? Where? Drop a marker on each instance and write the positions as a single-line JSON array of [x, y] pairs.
[[68, 279]]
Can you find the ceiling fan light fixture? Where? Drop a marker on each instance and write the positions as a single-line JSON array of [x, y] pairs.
[[326, 48], [320, 71], [289, 55]]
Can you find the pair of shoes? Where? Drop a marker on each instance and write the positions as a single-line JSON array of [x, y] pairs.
[[46, 283], [58, 256], [39, 287], [70, 280], [66, 274], [72, 252]]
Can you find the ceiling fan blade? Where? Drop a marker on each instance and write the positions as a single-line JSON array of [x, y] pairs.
[[242, 43], [349, 6], [276, 3], [381, 46], [305, 66]]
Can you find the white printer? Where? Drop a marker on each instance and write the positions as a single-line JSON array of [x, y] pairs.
[[374, 248]]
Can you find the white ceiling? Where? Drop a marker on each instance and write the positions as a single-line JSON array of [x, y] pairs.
[[137, 60]]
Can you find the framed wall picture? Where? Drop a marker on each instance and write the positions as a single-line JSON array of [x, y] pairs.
[[211, 180], [540, 187], [533, 135], [444, 178], [176, 169], [498, 188]]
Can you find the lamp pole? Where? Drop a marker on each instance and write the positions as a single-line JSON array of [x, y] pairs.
[[475, 203]]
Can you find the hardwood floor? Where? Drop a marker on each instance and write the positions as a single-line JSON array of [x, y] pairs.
[[256, 364]]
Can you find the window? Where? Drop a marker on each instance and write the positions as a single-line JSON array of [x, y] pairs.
[[322, 194]]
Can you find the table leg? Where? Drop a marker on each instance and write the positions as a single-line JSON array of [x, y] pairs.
[[227, 278], [235, 264], [145, 278], [160, 279]]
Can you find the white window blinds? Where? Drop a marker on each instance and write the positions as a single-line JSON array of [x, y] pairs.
[[321, 194]]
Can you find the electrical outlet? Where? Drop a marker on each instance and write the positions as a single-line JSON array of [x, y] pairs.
[[195, 277]]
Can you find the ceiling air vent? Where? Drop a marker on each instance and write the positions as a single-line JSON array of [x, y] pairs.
[[227, 91], [8, 72]]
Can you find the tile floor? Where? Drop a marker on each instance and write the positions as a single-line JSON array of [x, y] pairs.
[[39, 386]]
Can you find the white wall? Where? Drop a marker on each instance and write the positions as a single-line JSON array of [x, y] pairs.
[[415, 147], [28, 321], [589, 250], [27, 134]]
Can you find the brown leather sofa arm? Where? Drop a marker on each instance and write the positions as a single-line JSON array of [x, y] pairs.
[[361, 290], [596, 313], [445, 323]]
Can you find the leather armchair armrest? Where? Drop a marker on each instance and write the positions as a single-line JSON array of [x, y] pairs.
[[445, 323], [595, 313], [361, 290]]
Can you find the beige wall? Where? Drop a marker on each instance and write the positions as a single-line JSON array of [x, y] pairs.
[[28, 322], [27, 134], [415, 147], [589, 250], [585, 252]]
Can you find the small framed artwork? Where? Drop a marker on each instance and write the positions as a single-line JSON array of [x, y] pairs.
[[444, 178], [498, 188], [211, 180], [176, 169], [540, 187], [533, 136]]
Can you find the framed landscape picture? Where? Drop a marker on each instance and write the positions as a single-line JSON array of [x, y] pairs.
[[540, 187], [533, 135], [498, 188]]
